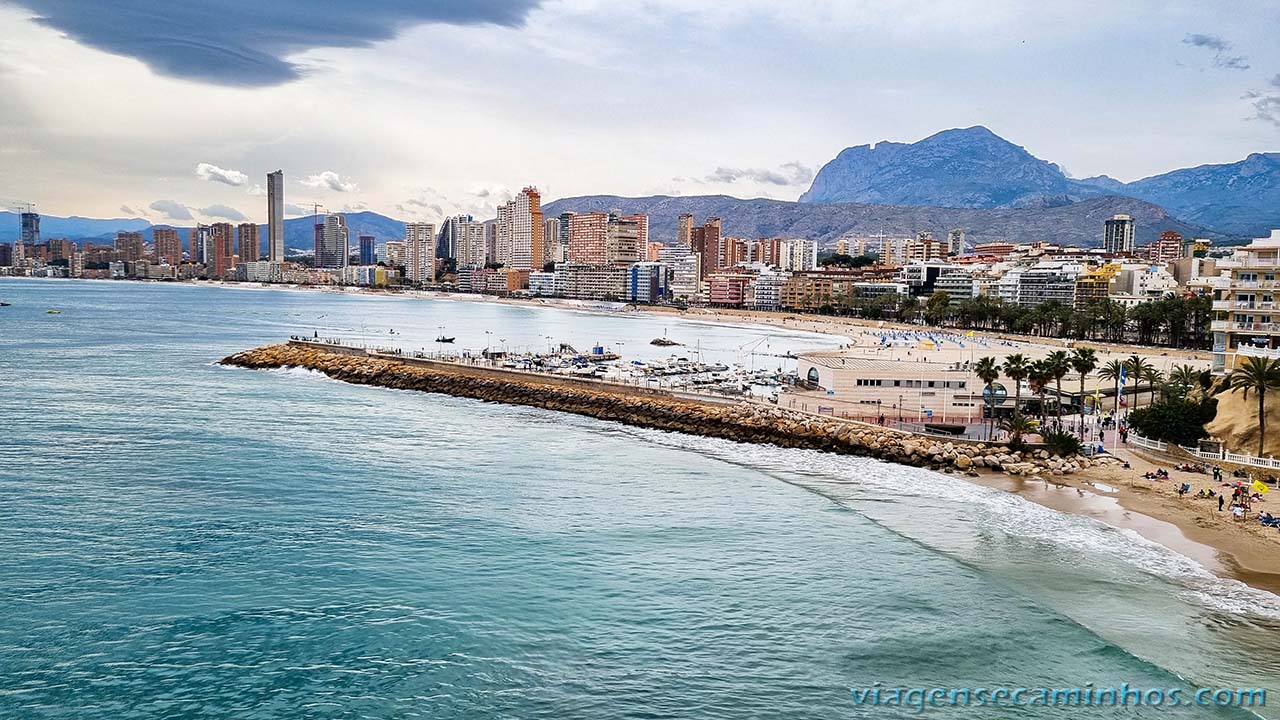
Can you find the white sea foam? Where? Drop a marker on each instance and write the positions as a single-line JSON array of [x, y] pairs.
[[849, 479]]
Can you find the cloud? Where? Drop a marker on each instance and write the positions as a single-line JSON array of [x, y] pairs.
[[245, 42], [790, 173], [291, 209], [131, 211], [223, 211], [331, 180], [213, 173], [257, 190], [1265, 107], [172, 210], [1220, 48]]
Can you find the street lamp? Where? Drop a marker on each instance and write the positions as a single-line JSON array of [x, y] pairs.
[[899, 409]]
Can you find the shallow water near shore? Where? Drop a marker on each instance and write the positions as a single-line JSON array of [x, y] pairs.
[[189, 540]]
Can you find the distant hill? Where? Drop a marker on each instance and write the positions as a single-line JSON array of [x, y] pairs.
[[1077, 223], [975, 168], [298, 232]]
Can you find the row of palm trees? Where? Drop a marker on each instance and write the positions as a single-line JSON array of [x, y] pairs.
[[1254, 374]]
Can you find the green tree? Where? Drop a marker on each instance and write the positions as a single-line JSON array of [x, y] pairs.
[[1084, 360], [1058, 363], [1016, 367], [1017, 426], [1154, 378], [1182, 378], [1039, 375], [1136, 368], [988, 371], [1176, 420], [1257, 375], [1113, 371]]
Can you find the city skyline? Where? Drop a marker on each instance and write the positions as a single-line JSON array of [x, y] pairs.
[[752, 120]]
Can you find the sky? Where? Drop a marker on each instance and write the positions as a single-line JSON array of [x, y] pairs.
[[175, 110]]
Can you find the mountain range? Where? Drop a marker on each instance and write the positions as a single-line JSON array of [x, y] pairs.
[[968, 178], [1078, 223], [975, 168]]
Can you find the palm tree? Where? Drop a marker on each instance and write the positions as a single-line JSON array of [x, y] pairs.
[[1113, 371], [988, 371], [1183, 378], [1058, 364], [1137, 367], [1016, 426], [1016, 368], [1039, 373], [1083, 361], [1258, 374], [1154, 378]]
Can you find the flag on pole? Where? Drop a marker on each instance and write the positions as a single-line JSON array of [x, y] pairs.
[[1260, 487], [1124, 376]]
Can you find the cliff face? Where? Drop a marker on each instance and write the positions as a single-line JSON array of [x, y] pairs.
[[741, 422]]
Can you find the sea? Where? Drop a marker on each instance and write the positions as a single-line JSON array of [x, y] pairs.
[[180, 539]]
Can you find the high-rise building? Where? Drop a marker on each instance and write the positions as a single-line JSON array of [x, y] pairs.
[[60, 249], [551, 236], [447, 242], [799, 255], [955, 242], [168, 246], [28, 234], [332, 250], [368, 250], [471, 244], [200, 244], [684, 230], [587, 237], [626, 238], [705, 240], [222, 257], [522, 231], [395, 253], [129, 246], [1118, 235], [1167, 249], [275, 216], [247, 242], [420, 252]]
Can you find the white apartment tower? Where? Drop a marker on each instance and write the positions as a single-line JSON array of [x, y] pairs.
[[420, 252], [275, 216]]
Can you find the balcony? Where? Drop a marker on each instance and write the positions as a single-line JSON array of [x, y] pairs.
[[1244, 305], [1243, 327], [1238, 285]]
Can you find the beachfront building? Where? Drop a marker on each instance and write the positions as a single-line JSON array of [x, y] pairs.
[[798, 255], [420, 253], [957, 284], [542, 283], [916, 391], [686, 272], [728, 289], [766, 292], [648, 282], [922, 276], [1247, 309], [592, 282]]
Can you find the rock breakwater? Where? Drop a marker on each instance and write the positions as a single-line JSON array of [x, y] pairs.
[[744, 421]]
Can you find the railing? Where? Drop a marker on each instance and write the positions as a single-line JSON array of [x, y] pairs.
[[1148, 444], [1254, 351], [1227, 456], [1244, 327], [1243, 305]]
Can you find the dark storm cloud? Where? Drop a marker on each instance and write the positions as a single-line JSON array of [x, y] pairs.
[[244, 42]]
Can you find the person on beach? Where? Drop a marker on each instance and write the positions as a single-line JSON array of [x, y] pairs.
[[1221, 500]]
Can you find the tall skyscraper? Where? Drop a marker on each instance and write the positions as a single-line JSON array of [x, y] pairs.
[[168, 246], [275, 216], [447, 241], [29, 234], [368, 250], [420, 252], [129, 246], [523, 230], [222, 256], [1118, 234], [626, 239], [200, 244], [471, 244], [684, 230], [247, 242], [332, 249], [587, 236], [551, 236], [706, 241]]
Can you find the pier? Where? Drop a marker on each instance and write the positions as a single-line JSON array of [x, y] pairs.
[[734, 419]]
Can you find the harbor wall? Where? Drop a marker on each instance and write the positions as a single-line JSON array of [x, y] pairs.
[[741, 421]]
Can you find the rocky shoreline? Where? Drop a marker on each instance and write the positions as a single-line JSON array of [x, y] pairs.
[[743, 421]]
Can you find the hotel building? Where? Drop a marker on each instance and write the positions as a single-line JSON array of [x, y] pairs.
[[1247, 309]]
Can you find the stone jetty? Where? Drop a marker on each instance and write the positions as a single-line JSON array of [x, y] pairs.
[[741, 421]]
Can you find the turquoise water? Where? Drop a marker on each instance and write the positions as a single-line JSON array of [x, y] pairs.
[[184, 540]]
